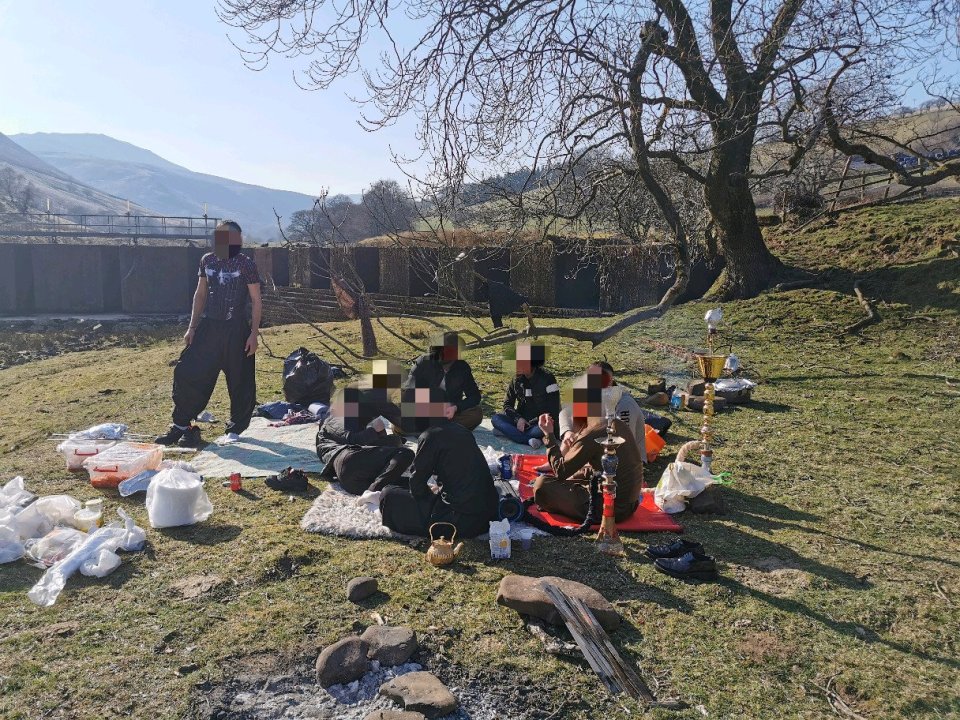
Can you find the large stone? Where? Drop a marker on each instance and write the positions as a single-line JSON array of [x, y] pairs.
[[360, 588], [395, 715], [526, 595], [709, 500], [342, 662], [390, 645], [420, 692]]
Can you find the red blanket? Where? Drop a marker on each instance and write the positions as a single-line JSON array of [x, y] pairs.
[[647, 517]]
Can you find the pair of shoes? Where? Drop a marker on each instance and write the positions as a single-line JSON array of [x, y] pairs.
[[288, 479], [535, 443], [228, 439], [189, 438], [674, 549]]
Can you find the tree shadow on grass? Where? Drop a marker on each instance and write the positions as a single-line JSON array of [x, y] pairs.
[[203, 533], [762, 406], [850, 629]]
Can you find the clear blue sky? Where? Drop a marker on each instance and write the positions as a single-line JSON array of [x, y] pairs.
[[162, 74]]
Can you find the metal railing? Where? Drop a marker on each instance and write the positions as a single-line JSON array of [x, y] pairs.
[[127, 226]]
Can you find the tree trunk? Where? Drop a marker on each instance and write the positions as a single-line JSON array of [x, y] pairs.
[[367, 335], [750, 266]]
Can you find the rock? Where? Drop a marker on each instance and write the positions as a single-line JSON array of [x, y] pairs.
[[390, 645], [395, 715], [710, 500], [421, 692], [526, 595], [344, 661], [360, 588], [696, 403], [695, 387]]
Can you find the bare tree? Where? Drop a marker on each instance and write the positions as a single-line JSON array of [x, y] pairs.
[[16, 190], [697, 84]]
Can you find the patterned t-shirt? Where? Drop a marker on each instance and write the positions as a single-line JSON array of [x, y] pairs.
[[227, 280]]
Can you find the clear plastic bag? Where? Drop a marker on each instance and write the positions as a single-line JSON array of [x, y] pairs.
[[176, 497], [101, 564], [14, 495], [104, 431], [54, 546], [52, 582], [10, 546], [36, 520], [134, 536]]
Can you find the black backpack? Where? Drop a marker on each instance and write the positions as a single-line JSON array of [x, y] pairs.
[[306, 378]]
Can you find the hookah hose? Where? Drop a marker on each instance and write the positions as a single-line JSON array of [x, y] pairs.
[[592, 518]]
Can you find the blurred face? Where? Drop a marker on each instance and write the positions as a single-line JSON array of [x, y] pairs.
[[226, 243], [588, 396], [606, 379], [446, 348], [524, 366]]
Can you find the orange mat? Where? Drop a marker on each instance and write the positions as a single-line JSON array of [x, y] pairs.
[[647, 517]]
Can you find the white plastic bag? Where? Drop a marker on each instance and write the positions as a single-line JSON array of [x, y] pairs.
[[10, 546], [493, 459], [101, 564], [54, 546], [134, 536], [51, 583], [104, 431], [14, 495], [176, 497], [46, 513], [680, 482]]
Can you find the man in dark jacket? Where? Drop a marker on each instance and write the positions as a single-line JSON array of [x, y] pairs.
[[533, 392], [355, 447], [465, 495], [442, 368]]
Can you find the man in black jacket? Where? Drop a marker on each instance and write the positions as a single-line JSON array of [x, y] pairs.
[[465, 494], [354, 444], [443, 369], [531, 393]]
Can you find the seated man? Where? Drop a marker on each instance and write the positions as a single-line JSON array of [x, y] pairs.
[[355, 446], [465, 495], [532, 392], [626, 409], [567, 492], [443, 369]]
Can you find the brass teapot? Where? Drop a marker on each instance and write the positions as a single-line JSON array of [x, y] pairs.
[[441, 550]]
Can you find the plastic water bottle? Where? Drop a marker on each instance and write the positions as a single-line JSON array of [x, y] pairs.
[[676, 400]]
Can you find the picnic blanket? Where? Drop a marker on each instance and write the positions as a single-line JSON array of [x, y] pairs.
[[261, 451], [647, 517]]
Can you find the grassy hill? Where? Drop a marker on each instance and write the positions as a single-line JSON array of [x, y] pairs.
[[839, 551]]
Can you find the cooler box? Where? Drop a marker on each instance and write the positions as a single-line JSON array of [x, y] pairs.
[[76, 450], [121, 462]]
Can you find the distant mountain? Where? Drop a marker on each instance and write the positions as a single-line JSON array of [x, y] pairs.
[[26, 181], [132, 172]]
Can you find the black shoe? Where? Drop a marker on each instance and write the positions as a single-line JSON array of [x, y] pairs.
[[674, 549], [288, 479], [171, 437], [690, 566], [191, 438]]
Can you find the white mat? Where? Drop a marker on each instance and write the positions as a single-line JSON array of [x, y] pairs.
[[337, 512], [262, 451]]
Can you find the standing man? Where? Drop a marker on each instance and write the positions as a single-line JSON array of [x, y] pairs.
[[222, 336]]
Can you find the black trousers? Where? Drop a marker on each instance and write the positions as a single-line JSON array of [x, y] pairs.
[[404, 513], [217, 346], [359, 469]]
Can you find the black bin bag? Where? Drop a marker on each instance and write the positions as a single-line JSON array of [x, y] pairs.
[[306, 378]]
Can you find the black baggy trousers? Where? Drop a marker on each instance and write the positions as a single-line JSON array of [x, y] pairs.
[[217, 346]]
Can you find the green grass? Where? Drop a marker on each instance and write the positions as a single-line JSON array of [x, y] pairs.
[[840, 553]]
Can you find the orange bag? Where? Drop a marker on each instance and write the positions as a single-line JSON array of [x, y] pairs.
[[655, 443]]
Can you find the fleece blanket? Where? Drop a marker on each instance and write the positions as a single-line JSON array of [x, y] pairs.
[[647, 517]]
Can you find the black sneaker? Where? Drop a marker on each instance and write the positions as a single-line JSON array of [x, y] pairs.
[[690, 566], [171, 437], [287, 480], [191, 438], [674, 549]]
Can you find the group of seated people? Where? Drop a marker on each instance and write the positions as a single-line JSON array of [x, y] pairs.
[[361, 443]]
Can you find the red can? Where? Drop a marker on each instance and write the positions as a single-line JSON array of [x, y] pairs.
[[235, 484]]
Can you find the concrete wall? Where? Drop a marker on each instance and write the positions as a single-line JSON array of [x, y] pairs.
[[158, 279], [74, 278]]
